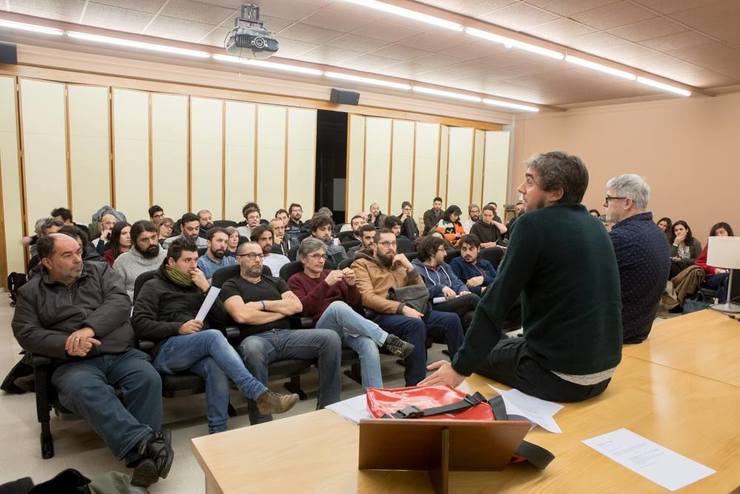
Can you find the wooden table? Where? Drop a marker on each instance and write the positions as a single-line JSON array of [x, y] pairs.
[[317, 452], [705, 343]]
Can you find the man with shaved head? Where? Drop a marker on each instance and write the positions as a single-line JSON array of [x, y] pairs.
[[77, 313]]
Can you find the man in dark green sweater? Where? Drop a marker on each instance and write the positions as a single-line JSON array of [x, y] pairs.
[[562, 262]]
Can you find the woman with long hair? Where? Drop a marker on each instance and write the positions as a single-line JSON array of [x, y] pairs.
[[450, 227], [685, 249], [666, 225], [715, 278], [120, 242]]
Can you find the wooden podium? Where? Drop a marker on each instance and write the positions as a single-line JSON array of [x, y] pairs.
[[439, 446]]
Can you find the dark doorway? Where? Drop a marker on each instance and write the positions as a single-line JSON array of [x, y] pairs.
[[331, 162]]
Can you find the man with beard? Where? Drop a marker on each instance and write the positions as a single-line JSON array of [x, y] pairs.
[[190, 227], [386, 269], [264, 236], [473, 217], [489, 231], [432, 216], [146, 255], [367, 237], [205, 218], [562, 263], [294, 227], [215, 256]]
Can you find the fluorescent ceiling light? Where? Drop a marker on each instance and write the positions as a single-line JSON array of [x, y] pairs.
[[513, 43], [663, 86], [367, 80], [408, 13], [268, 65], [22, 26], [137, 44], [513, 106], [601, 68], [447, 94]]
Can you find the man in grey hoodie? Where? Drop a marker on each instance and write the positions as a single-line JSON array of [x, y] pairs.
[[146, 255]]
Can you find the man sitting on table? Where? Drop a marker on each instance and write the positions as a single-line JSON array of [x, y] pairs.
[[261, 306], [562, 262]]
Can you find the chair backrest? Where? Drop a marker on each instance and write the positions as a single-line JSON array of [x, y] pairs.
[[451, 254], [411, 255], [346, 236], [140, 280], [202, 250], [224, 223], [346, 263], [492, 255], [290, 269], [350, 243], [404, 245]]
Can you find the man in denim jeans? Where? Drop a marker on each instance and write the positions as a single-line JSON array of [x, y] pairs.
[[261, 305], [165, 311], [331, 299], [77, 313]]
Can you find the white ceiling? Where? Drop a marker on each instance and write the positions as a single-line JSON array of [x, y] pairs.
[[696, 42]]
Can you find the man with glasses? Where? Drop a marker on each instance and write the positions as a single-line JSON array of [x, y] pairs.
[[261, 306], [376, 274]]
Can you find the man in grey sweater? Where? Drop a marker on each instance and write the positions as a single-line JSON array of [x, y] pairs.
[[146, 255]]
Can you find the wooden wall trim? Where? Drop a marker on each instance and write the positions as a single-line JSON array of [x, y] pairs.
[[67, 149], [223, 160]]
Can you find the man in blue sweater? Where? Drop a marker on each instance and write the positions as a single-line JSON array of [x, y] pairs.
[[561, 261]]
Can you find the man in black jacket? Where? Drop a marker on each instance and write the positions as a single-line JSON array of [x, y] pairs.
[[78, 314], [165, 311], [432, 216]]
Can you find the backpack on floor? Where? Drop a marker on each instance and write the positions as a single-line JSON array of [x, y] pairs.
[[15, 281]]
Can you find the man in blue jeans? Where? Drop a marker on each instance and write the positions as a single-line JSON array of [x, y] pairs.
[[386, 269], [261, 306], [331, 299], [164, 312], [77, 314]]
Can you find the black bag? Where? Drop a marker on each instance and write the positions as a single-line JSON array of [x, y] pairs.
[[15, 281], [414, 296]]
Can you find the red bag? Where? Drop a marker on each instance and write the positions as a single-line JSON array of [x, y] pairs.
[[427, 402]]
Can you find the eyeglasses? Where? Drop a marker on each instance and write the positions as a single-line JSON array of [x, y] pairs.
[[611, 198], [317, 256], [252, 256]]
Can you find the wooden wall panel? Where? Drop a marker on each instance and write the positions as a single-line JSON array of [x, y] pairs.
[[426, 166], [206, 157], [89, 149], [496, 169], [301, 161], [240, 157], [355, 164], [479, 146], [131, 153], [444, 155], [402, 170], [44, 147], [170, 153], [460, 167], [11, 183], [377, 162], [271, 153]]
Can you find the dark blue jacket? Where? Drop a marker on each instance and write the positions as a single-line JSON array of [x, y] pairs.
[[465, 271], [436, 279]]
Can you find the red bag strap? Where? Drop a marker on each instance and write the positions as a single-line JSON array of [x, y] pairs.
[[412, 412]]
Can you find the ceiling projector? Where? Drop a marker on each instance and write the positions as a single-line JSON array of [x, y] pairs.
[[250, 38]]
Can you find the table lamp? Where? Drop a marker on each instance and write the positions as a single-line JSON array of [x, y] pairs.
[[724, 252]]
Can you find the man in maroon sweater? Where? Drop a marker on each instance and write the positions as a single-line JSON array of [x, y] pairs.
[[331, 298]]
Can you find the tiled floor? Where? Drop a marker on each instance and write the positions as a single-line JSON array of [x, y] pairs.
[[78, 447]]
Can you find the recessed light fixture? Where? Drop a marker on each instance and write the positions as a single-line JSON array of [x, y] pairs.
[[408, 13], [507, 104], [599, 67], [268, 65], [514, 43], [22, 26], [447, 94], [663, 86], [368, 80], [109, 40]]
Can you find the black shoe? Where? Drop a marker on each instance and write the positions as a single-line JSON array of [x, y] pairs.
[[160, 450], [145, 473], [151, 459], [397, 346]]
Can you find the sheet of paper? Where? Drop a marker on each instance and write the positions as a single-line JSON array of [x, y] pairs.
[[535, 410], [353, 409], [207, 303], [651, 460]]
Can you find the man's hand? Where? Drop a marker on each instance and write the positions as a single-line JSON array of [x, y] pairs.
[[80, 342], [475, 281], [349, 276], [444, 374], [411, 312], [334, 277], [200, 280], [105, 235], [448, 292], [192, 326], [487, 245], [401, 260]]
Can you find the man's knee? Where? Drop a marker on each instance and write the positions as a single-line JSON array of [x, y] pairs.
[[329, 340], [253, 349]]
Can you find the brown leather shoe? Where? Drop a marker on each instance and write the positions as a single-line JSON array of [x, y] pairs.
[[269, 402]]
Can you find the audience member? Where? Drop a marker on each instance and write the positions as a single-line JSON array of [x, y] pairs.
[[164, 312], [367, 242], [65, 215], [432, 216], [446, 292], [215, 258], [519, 210], [281, 243], [253, 217], [144, 255], [261, 307], [473, 217], [88, 251], [489, 231], [190, 227], [376, 275], [331, 299], [666, 226], [107, 222], [409, 229], [685, 249], [641, 252], [496, 217], [205, 217], [450, 227], [475, 272], [357, 222], [165, 228], [264, 236], [376, 217], [561, 262], [715, 278], [294, 227], [322, 227], [233, 242], [393, 224], [78, 314], [120, 242], [282, 215], [156, 214]]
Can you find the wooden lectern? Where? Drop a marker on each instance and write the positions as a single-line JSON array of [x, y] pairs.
[[439, 446]]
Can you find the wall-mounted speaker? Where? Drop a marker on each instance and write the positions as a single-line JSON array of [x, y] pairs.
[[8, 53], [344, 97]]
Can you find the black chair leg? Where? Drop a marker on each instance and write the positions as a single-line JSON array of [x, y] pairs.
[[232, 411], [294, 386], [43, 405], [47, 441], [355, 373]]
